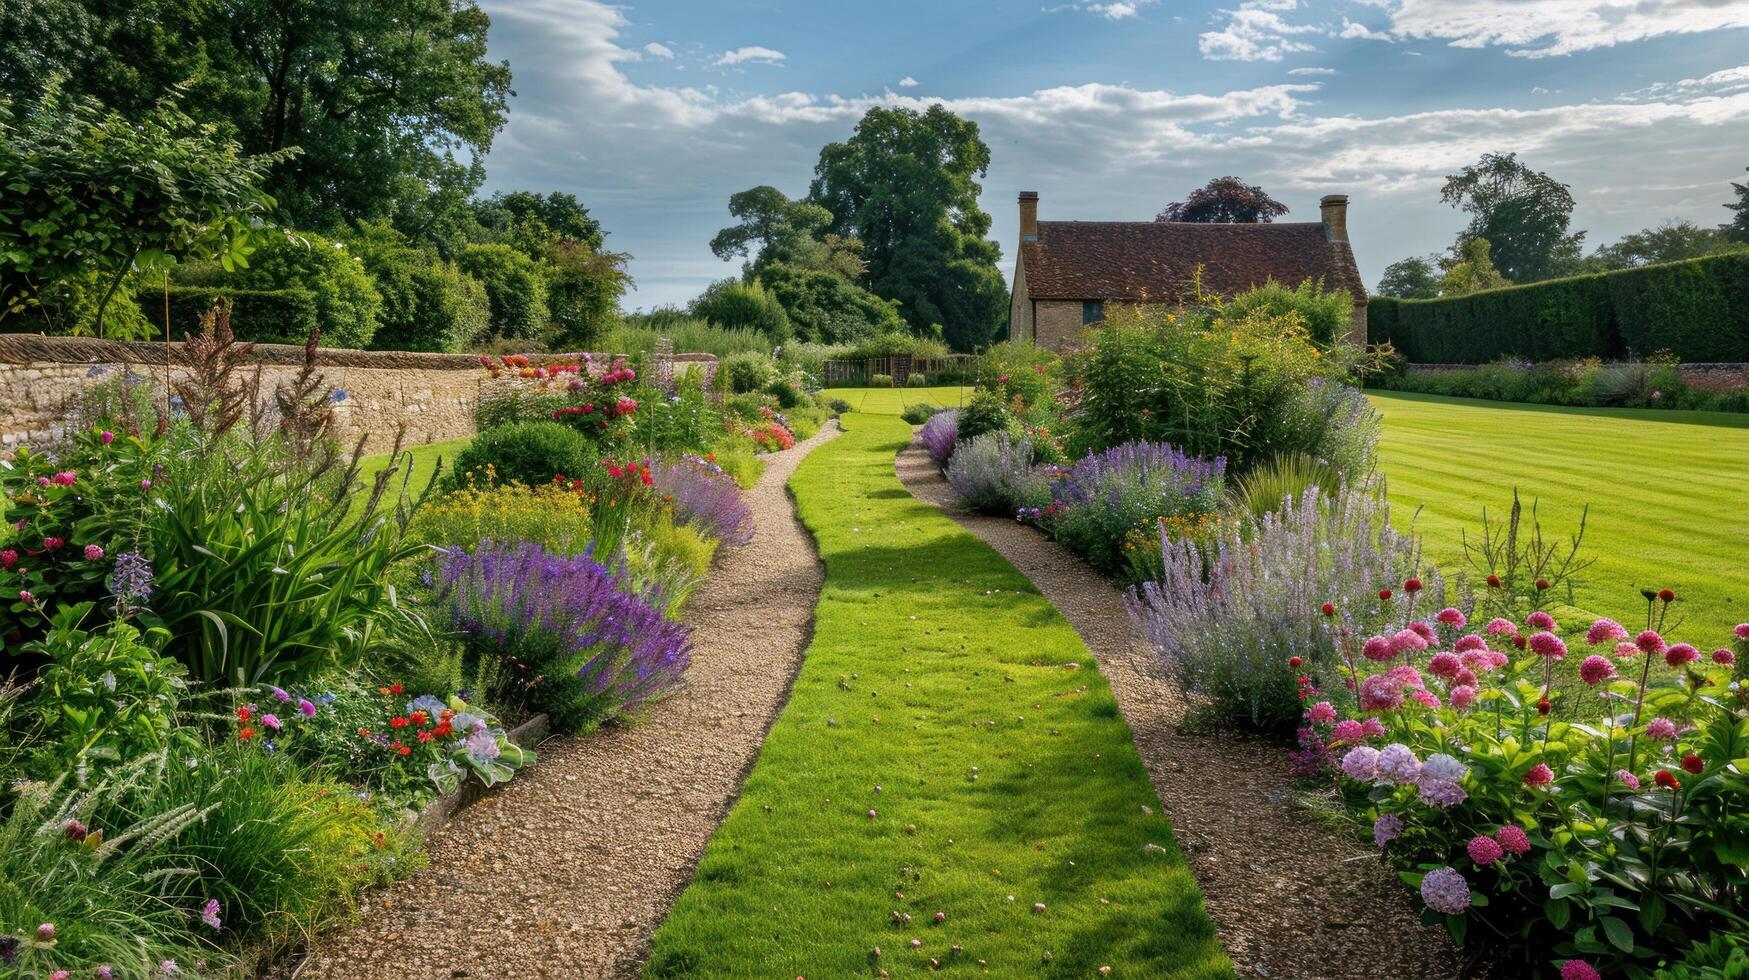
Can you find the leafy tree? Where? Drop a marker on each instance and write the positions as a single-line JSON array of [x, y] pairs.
[[92, 196], [1410, 278], [826, 307], [1523, 213], [1738, 229], [1669, 242], [535, 223], [1471, 270], [770, 224], [428, 304], [584, 285], [741, 305], [38, 38], [516, 288], [346, 298], [905, 184], [1225, 199]]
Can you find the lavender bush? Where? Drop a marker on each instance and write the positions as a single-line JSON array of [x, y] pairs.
[[1336, 425], [558, 635], [1228, 619], [939, 435], [705, 497], [994, 474], [1096, 503]]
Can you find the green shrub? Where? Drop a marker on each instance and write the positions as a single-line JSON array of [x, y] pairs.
[[838, 406], [985, 413], [530, 453], [1031, 371], [741, 373], [736, 305], [880, 381], [893, 344], [347, 305], [1326, 314], [918, 414], [639, 332], [917, 381], [106, 695], [512, 405], [269, 316], [825, 306], [787, 394], [428, 304], [1282, 481], [516, 291]]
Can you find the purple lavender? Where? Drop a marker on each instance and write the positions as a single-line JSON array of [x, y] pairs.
[[130, 582], [707, 498], [1153, 470], [939, 435], [544, 615]]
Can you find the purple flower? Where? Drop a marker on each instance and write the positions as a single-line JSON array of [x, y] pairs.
[[209, 914], [939, 434], [705, 498], [305, 708], [130, 582], [279, 695], [1445, 890], [1397, 764], [1442, 766], [482, 746], [1388, 827], [1441, 793], [1361, 764], [1661, 729]]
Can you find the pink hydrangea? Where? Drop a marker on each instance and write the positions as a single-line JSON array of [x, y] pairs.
[[1549, 645], [1347, 730], [93, 553], [1377, 648], [1380, 693], [1406, 676], [1445, 665], [1724, 657], [1485, 850], [1661, 729], [1425, 698], [1462, 697], [1594, 670], [1680, 654], [1452, 617], [1625, 650], [1513, 840], [1627, 779], [1540, 620], [1579, 970], [1470, 641], [1539, 776], [1322, 713], [1649, 642], [1361, 764], [1398, 764], [1372, 728], [1407, 641], [1502, 626], [1424, 631], [1604, 631]]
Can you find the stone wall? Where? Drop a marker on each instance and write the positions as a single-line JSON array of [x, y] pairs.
[[430, 397], [1722, 377]]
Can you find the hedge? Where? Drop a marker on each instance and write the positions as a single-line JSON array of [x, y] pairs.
[[271, 316], [1697, 309]]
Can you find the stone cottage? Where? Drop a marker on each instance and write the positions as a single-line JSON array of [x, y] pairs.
[[1067, 272]]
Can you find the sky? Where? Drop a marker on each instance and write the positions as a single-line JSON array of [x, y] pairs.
[[654, 111]]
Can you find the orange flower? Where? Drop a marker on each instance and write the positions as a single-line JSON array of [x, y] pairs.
[[247, 733]]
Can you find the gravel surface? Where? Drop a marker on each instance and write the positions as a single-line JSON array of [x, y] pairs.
[[568, 871], [1290, 897]]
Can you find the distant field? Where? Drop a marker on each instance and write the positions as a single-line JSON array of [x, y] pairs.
[[892, 401], [1669, 494]]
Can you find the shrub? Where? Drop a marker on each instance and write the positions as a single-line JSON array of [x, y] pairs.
[[1283, 480], [919, 413], [516, 291], [838, 406], [639, 332], [880, 380], [1227, 616], [1095, 505], [347, 305], [556, 518], [1020, 369], [994, 474], [104, 697], [917, 381], [530, 453], [428, 304], [939, 434], [1329, 422], [703, 496], [270, 316], [559, 635], [736, 305], [1326, 315], [507, 406], [666, 560], [787, 394], [742, 373], [985, 413], [896, 343], [825, 305]]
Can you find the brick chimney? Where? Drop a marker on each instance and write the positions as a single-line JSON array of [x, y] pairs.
[[1029, 216], [1334, 208]]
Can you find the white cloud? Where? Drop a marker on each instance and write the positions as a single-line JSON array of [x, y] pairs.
[[662, 51], [1121, 10], [1312, 71], [1540, 28], [909, 82], [1361, 32], [753, 54], [1256, 31], [1719, 82]]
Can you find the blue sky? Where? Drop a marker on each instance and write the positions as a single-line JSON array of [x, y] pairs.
[[653, 113]]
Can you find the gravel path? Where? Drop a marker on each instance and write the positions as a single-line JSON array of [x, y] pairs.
[[1290, 897], [568, 870]]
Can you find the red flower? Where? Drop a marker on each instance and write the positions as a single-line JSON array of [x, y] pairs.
[[243, 713], [1413, 585], [398, 721], [1384, 595], [1543, 707], [1294, 661], [1520, 642], [364, 733], [1328, 609], [1666, 595], [1493, 581], [396, 689], [247, 733], [420, 718], [1667, 779], [403, 750], [424, 737], [443, 730], [1693, 763], [1542, 583]]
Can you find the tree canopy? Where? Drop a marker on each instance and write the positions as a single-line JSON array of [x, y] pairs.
[[1225, 199], [1523, 213], [1410, 278], [1738, 228], [1471, 270], [1669, 242]]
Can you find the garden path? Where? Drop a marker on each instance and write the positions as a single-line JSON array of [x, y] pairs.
[[568, 870], [1290, 896]]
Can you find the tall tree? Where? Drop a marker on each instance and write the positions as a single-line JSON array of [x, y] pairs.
[[1470, 269], [1523, 213], [1669, 242], [906, 184], [1225, 199], [1410, 278], [771, 225], [1738, 229]]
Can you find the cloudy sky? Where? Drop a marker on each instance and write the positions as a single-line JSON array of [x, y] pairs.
[[654, 111]]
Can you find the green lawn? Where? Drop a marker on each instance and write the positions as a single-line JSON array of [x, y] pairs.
[[424, 460], [892, 401], [1669, 494], [937, 754]]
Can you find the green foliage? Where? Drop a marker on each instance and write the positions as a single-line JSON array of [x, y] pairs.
[[895, 344], [428, 304], [736, 305], [1410, 278], [905, 184], [1738, 228], [105, 696], [639, 333], [516, 289], [741, 373], [1587, 382], [530, 453], [1672, 241], [1522, 213], [535, 223], [770, 224], [985, 413], [827, 307], [1326, 314], [94, 195], [1282, 479], [584, 284], [914, 414], [347, 304], [1472, 271], [282, 316], [1698, 310], [511, 405], [786, 392]]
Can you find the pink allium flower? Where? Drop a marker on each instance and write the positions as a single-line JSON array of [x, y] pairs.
[[1465, 678], [1397, 764], [1549, 645], [1388, 827], [1347, 730], [1424, 631], [1453, 618], [1505, 626], [1485, 850], [1605, 630], [1377, 648], [1680, 654], [1372, 728], [8, 557], [1627, 779], [1513, 840], [145, 484], [1579, 970], [1407, 640], [65, 478], [1463, 696], [1444, 890], [1661, 729], [93, 553], [1322, 713], [1445, 665], [1361, 764], [106, 438], [1625, 650], [1380, 693], [53, 543], [1649, 642], [1594, 670], [1539, 776], [271, 721], [1724, 657], [1741, 631], [1425, 698], [1540, 620], [1483, 661], [1470, 641]]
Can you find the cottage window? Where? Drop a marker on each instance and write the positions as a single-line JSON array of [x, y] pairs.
[[1092, 311]]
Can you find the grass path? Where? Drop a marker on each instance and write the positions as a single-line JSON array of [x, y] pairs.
[[1669, 494], [948, 747], [892, 401]]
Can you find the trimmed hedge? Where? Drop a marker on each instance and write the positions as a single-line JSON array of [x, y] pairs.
[[269, 316], [1697, 309]]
